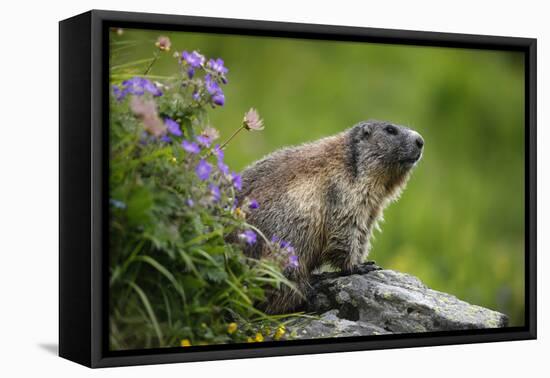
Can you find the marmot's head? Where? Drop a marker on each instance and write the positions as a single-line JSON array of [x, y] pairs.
[[383, 151]]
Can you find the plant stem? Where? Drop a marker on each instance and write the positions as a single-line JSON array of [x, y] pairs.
[[151, 64], [231, 137]]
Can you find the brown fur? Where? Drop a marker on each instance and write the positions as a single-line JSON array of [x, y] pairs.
[[326, 197]]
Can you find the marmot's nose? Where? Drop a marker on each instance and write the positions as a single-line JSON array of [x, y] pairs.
[[419, 142]]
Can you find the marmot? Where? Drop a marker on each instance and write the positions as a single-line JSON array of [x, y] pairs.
[[326, 197]]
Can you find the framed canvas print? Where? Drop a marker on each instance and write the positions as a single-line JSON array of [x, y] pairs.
[[234, 188]]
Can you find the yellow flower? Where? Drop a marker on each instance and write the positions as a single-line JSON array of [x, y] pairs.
[[279, 333], [231, 328], [173, 160], [250, 340], [239, 213], [259, 337], [185, 343]]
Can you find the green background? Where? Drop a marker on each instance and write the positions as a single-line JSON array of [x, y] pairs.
[[459, 225]]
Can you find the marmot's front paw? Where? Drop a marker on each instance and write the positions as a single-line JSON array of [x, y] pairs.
[[364, 268]]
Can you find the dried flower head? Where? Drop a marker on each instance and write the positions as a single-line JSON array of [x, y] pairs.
[[252, 120], [163, 43]]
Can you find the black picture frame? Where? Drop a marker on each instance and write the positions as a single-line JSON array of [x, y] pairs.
[[83, 182]]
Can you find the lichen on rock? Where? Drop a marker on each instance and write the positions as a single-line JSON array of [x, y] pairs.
[[379, 301]]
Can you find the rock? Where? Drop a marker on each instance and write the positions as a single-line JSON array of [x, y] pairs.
[[376, 301]]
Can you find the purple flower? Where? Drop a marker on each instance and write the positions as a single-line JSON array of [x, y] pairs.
[[134, 86], [274, 239], [215, 191], [214, 89], [248, 236], [173, 127], [203, 170], [293, 261], [190, 202], [211, 85], [139, 85], [196, 96], [204, 140], [253, 204], [151, 88], [223, 167], [190, 72], [237, 181], [190, 147], [194, 59], [165, 139], [218, 152], [218, 99], [284, 244], [118, 93], [217, 66]]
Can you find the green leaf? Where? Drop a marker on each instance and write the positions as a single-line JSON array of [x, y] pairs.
[[149, 310]]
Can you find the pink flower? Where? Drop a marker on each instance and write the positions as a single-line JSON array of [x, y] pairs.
[[252, 120], [146, 111], [211, 133], [163, 43]]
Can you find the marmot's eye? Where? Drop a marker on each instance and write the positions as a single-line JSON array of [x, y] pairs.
[[391, 130]]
